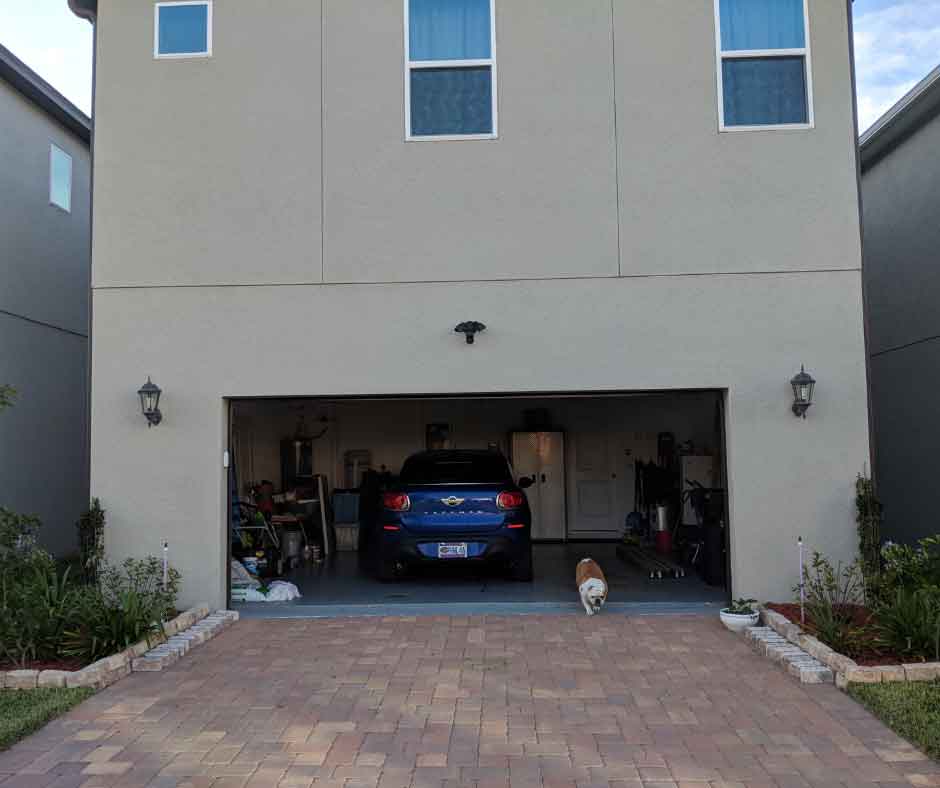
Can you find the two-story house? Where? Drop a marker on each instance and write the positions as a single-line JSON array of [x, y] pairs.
[[651, 206], [45, 251], [901, 195]]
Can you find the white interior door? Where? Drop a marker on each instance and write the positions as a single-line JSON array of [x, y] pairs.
[[595, 474]]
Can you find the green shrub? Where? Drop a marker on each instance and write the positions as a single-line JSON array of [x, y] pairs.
[[128, 605], [868, 516], [910, 624], [832, 595], [17, 536], [7, 396], [912, 567], [103, 627], [91, 541], [36, 602], [144, 576]]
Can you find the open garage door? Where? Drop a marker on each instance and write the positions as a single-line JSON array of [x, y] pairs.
[[635, 481]]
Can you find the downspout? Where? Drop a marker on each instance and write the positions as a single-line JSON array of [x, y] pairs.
[[872, 444], [88, 10]]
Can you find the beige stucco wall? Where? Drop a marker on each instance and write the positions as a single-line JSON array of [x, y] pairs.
[[787, 477], [263, 229], [208, 171]]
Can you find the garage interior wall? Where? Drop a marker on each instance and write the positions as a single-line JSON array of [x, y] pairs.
[[613, 431]]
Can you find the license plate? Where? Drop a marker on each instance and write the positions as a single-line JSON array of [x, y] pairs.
[[458, 550]]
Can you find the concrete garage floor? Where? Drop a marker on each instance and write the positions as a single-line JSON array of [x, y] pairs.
[[340, 587]]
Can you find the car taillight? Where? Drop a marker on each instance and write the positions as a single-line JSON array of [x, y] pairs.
[[516, 526], [391, 527], [510, 500], [396, 502]]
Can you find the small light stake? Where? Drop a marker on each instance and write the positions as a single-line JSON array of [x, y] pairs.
[[149, 395], [166, 564], [802, 584], [803, 388], [470, 329]]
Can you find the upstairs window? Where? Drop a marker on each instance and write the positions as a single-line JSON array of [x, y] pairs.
[[764, 75], [60, 178], [182, 29], [450, 73]]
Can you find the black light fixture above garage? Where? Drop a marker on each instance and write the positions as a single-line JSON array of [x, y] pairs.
[[149, 395], [803, 388], [470, 329]]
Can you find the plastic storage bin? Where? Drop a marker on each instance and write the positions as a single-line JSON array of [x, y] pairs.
[[347, 537]]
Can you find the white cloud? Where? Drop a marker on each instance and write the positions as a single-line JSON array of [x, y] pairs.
[[897, 43], [53, 42]]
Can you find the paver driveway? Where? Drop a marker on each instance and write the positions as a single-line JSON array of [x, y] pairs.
[[554, 701]]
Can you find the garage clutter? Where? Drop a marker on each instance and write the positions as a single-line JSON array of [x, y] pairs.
[[678, 524], [247, 588]]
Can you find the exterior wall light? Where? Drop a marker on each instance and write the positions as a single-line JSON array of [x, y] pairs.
[[149, 395], [803, 387], [470, 329]]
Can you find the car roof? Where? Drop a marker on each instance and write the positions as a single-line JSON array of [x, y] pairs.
[[455, 454]]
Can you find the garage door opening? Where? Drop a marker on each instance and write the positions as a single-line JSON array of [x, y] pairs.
[[635, 481]]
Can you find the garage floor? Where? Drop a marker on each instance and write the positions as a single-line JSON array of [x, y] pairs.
[[341, 582]]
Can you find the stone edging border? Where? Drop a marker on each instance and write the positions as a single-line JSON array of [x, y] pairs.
[[190, 627], [847, 671]]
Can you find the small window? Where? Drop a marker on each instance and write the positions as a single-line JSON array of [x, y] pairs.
[[764, 77], [60, 178], [450, 74], [182, 29]]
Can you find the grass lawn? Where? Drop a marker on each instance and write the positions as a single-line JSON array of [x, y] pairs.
[[910, 709], [24, 711]]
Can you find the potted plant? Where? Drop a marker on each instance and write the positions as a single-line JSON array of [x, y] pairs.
[[740, 615]]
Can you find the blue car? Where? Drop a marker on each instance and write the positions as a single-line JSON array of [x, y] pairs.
[[455, 507]]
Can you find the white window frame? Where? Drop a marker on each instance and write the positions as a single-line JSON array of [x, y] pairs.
[[181, 55], [414, 65], [804, 52], [52, 152]]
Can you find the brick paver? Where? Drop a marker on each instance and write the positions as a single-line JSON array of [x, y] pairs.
[[471, 702]]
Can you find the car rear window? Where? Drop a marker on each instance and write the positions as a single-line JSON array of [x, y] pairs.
[[456, 470]]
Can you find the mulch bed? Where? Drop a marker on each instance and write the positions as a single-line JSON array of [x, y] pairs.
[[54, 664], [869, 652]]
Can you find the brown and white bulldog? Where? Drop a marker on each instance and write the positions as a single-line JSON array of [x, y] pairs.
[[592, 585]]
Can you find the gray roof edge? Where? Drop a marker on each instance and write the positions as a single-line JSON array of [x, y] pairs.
[[915, 109], [42, 94], [86, 9]]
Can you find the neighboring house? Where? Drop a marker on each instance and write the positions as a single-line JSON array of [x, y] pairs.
[[901, 200], [45, 250], [652, 206]]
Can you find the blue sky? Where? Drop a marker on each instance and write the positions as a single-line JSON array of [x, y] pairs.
[[897, 43]]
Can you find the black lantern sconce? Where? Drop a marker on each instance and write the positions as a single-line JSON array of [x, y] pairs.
[[803, 388], [470, 329], [149, 395]]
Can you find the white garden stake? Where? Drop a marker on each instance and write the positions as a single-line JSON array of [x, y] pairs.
[[166, 551], [802, 585]]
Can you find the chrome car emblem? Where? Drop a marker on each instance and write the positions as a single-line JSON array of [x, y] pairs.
[[452, 501]]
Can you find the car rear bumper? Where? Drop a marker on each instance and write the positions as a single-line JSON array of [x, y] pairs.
[[503, 548]]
